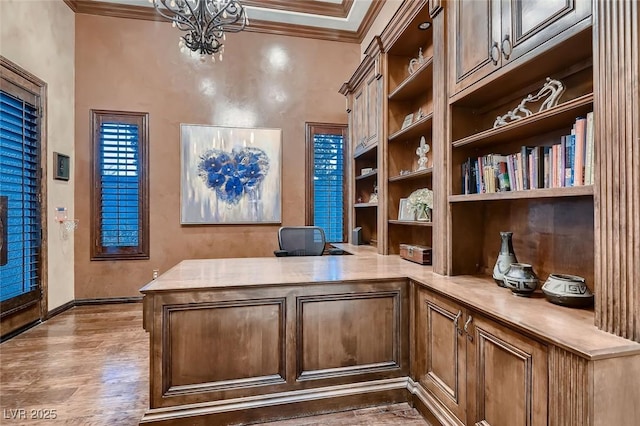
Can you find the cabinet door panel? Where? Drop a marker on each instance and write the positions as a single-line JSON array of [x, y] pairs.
[[373, 107], [526, 24], [443, 373], [359, 117], [475, 33], [510, 371]]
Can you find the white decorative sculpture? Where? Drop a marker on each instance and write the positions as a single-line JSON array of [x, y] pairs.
[[422, 151], [373, 199], [552, 88], [414, 64]]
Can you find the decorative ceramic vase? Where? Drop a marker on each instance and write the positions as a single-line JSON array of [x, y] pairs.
[[505, 258], [567, 290], [521, 279]]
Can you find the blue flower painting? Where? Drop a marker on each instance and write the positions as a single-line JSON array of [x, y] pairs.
[[230, 175]]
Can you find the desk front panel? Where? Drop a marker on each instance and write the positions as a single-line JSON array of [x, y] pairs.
[[239, 343]]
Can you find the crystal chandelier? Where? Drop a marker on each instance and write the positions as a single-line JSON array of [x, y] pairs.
[[205, 23]]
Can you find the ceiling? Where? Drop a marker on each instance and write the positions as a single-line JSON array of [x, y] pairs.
[[336, 20]]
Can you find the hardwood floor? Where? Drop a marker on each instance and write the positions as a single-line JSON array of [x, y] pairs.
[[89, 366]]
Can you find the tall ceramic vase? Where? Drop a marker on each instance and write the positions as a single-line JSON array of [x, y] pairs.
[[505, 258]]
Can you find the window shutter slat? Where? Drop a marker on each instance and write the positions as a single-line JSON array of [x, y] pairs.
[[120, 184], [328, 185], [19, 162]]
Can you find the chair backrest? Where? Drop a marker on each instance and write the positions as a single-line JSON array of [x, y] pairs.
[[302, 240]]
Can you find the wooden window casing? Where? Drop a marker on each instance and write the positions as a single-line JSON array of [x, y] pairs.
[[324, 129], [119, 229]]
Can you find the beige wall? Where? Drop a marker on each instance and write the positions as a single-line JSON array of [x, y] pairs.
[[388, 10], [39, 37], [264, 81]]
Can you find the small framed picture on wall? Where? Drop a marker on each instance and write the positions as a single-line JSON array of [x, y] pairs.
[[61, 164]]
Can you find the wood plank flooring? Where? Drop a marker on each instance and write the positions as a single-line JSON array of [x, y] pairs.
[[89, 366]]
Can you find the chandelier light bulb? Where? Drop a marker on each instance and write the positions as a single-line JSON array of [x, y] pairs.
[[173, 3]]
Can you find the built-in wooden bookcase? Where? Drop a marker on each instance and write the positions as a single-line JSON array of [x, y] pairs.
[[409, 81], [364, 99], [366, 211], [553, 228]]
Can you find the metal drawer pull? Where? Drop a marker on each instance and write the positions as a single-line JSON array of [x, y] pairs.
[[455, 323], [466, 328]]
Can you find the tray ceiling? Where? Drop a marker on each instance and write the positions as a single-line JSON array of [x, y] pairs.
[[337, 20]]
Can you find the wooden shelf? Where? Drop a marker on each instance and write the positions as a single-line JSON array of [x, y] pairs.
[[361, 152], [415, 84], [368, 175], [365, 205], [418, 128], [538, 123], [411, 222], [574, 191], [412, 175]]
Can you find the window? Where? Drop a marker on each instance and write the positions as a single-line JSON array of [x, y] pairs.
[[120, 216], [326, 179]]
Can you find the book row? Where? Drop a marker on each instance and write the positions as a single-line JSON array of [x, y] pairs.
[[564, 164]]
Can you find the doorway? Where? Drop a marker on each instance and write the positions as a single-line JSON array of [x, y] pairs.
[[22, 151]]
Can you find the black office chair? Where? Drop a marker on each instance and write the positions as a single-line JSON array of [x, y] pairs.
[[300, 241]]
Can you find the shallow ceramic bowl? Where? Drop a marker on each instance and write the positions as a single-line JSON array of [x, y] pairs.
[[567, 290]]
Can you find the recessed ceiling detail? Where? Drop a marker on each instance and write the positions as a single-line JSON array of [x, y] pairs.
[[335, 20]]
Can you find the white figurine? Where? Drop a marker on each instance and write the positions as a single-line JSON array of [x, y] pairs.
[[422, 151]]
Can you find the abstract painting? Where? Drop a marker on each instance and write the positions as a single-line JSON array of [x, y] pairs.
[[230, 175]]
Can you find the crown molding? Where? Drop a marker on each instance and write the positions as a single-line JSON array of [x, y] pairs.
[[369, 18], [116, 10], [304, 31], [336, 10]]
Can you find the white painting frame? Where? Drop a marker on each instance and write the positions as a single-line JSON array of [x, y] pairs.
[[404, 212], [230, 175]]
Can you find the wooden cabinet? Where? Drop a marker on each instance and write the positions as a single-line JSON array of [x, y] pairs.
[[364, 99], [488, 55], [441, 350], [507, 375], [478, 371], [490, 34], [409, 115], [366, 111], [553, 226]]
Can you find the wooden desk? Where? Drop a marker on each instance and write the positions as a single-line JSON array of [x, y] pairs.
[[244, 340]]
